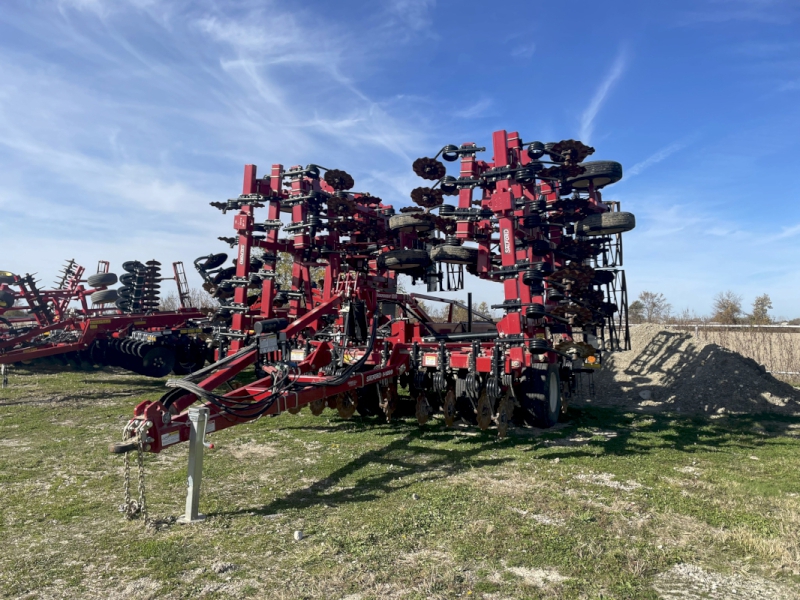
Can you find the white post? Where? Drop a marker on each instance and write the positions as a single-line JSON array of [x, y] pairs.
[[198, 419]]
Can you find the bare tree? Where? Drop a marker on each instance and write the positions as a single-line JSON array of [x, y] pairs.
[[761, 308], [655, 307], [198, 298], [727, 308], [636, 312]]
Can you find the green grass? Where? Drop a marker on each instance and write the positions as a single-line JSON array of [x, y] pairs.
[[602, 504]]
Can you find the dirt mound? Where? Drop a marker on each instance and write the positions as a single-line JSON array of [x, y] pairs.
[[671, 370]]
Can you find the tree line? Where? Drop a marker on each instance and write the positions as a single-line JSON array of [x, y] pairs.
[[727, 309]]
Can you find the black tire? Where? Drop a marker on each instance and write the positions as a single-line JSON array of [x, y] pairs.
[[7, 277], [128, 279], [600, 172], [404, 260], [7, 299], [607, 223], [132, 266], [189, 359], [540, 387], [411, 222], [158, 362], [211, 261], [101, 280], [456, 255], [104, 297]]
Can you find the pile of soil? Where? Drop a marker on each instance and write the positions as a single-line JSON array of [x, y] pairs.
[[672, 370]]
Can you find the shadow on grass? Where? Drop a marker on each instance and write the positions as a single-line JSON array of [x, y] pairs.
[[437, 462], [585, 433]]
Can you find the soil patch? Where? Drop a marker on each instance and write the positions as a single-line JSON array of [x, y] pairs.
[[672, 370]]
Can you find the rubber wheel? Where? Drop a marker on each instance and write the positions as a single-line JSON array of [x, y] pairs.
[[411, 222], [606, 223], [101, 280], [189, 362], [105, 297], [158, 362], [213, 261], [600, 172], [456, 255], [540, 387], [7, 299], [404, 260], [6, 277], [132, 266]]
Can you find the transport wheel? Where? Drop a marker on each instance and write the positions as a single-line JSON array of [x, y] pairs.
[[600, 172], [456, 255], [541, 394], [101, 280], [346, 403], [449, 408], [317, 406], [158, 362], [132, 266], [424, 410], [484, 411], [404, 260], [411, 222], [6, 299], [189, 360], [211, 262], [503, 416], [105, 297], [607, 223]]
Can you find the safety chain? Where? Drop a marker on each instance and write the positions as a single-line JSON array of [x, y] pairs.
[[133, 508]]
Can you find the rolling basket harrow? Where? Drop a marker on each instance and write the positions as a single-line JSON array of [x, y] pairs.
[[343, 335]]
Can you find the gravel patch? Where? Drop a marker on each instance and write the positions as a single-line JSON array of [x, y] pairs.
[[690, 582]]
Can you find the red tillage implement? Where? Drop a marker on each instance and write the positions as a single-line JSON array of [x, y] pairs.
[[121, 327], [532, 220]]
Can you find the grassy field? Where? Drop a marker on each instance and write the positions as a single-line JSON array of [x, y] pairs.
[[606, 505]]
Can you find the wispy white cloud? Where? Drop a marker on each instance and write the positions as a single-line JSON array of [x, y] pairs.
[[477, 109], [655, 158], [524, 50], [589, 115], [787, 232], [415, 14], [134, 137], [773, 12]]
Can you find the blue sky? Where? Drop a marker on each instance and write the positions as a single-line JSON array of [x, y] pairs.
[[121, 119]]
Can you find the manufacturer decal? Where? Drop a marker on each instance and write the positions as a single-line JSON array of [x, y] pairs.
[[377, 376], [506, 241], [167, 439]]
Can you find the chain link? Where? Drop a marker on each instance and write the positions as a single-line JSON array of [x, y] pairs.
[[140, 461], [134, 508]]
